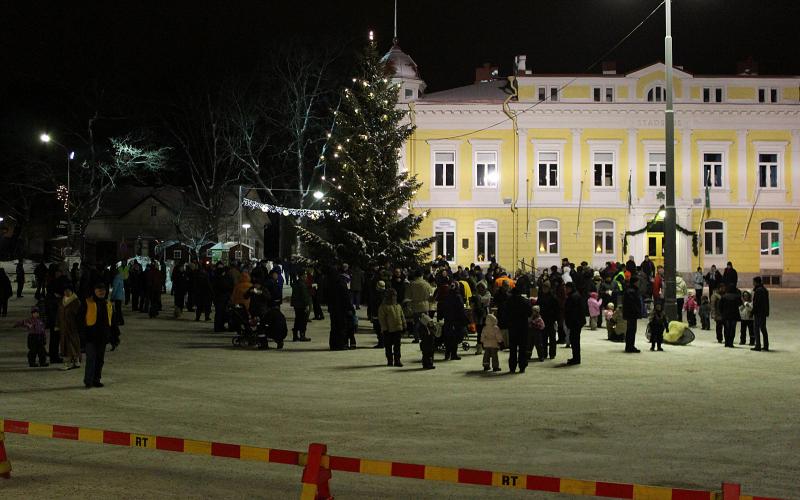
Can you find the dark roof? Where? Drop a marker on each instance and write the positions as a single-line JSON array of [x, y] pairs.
[[491, 91], [124, 199]]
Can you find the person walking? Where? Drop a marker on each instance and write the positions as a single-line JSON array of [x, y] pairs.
[[393, 322], [96, 316], [631, 309], [760, 314], [575, 318], [518, 311], [20, 278], [729, 308], [6, 291]]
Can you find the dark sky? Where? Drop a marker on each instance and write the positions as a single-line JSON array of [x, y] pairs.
[[143, 48]]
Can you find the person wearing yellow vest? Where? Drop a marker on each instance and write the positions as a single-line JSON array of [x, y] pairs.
[[97, 316]]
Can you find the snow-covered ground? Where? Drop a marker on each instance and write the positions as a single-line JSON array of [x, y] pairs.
[[688, 417]]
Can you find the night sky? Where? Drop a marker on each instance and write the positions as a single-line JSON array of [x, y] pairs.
[[145, 50]]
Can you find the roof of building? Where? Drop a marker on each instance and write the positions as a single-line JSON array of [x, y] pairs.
[[124, 199], [491, 91], [400, 63]]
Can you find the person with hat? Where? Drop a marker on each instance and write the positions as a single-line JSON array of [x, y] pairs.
[[37, 337], [69, 325], [96, 316]]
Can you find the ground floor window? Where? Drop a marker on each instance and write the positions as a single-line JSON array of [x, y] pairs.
[[714, 241], [604, 237], [444, 230], [485, 240], [770, 238], [548, 237]]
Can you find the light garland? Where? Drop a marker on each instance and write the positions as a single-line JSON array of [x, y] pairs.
[[62, 194], [296, 212]]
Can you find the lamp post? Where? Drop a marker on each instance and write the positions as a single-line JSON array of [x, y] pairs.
[[47, 139], [669, 146], [246, 226]]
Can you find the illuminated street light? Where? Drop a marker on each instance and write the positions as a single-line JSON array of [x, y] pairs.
[[44, 138], [318, 195]]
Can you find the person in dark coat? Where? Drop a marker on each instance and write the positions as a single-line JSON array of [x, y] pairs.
[[575, 319], [315, 281], [631, 311], [40, 274], [222, 286], [179, 289], [713, 279], [20, 278], [153, 277], [729, 308], [550, 310], [6, 291], [760, 314], [301, 303], [96, 320], [339, 303], [274, 286], [451, 310], [730, 277], [203, 294], [518, 310]]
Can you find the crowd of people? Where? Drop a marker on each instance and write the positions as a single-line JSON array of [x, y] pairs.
[[530, 313]]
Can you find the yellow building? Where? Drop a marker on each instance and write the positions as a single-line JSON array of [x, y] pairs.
[[541, 166]]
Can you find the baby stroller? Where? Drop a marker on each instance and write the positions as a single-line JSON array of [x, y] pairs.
[[254, 331]]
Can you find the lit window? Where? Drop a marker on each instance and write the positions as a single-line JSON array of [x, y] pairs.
[[485, 240], [548, 237], [770, 238], [603, 169], [548, 169], [712, 170], [444, 231], [768, 170], [714, 241], [604, 237], [444, 169], [486, 173], [237, 255], [657, 169]]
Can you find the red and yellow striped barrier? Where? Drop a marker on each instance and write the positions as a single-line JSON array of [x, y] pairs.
[[364, 466]]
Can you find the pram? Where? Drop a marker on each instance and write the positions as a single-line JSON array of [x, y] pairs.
[[251, 331]]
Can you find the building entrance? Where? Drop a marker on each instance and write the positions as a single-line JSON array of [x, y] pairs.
[[655, 247]]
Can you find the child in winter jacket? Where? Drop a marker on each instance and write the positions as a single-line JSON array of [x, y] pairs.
[[37, 338], [393, 322], [536, 330], [594, 310], [427, 340], [657, 325], [746, 313], [705, 313], [492, 338], [691, 308], [611, 324], [479, 311]]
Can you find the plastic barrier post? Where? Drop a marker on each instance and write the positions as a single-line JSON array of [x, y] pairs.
[[5, 465], [316, 475], [731, 491]]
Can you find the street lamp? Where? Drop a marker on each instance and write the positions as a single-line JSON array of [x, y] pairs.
[[246, 226], [669, 137], [318, 195], [45, 138]]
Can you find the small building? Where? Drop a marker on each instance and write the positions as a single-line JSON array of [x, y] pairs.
[[230, 251]]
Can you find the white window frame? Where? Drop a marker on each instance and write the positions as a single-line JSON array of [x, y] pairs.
[[712, 94], [434, 162], [763, 231], [445, 226], [722, 232], [614, 169], [604, 232], [541, 93], [768, 95], [486, 146], [539, 230], [714, 147], [652, 88], [558, 166], [600, 93], [488, 184], [658, 185], [778, 168], [177, 254], [237, 254], [486, 226]]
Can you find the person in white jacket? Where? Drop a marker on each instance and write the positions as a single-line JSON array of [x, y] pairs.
[[491, 338]]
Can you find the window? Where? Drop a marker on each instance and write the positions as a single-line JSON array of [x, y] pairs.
[[712, 94], [542, 93], [657, 169], [444, 169], [208, 253], [485, 240], [767, 95], [548, 169], [486, 174], [153, 210], [177, 254], [603, 93], [548, 237], [712, 170], [603, 169], [768, 170], [237, 255], [770, 238], [714, 238], [409, 93], [604, 237], [657, 94], [444, 231], [554, 94]]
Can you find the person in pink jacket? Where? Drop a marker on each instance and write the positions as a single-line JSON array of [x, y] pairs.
[[594, 304], [491, 338]]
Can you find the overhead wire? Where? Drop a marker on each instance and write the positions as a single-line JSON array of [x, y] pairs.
[[558, 92]]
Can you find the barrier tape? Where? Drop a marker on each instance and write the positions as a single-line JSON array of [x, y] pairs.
[[365, 466]]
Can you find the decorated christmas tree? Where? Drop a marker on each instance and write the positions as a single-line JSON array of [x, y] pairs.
[[367, 197]]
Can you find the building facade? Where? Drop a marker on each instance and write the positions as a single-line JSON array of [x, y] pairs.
[[549, 166]]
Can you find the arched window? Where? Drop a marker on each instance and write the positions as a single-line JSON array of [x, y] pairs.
[[548, 237], [485, 240], [444, 230], [604, 237], [657, 93], [714, 241], [770, 238]]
